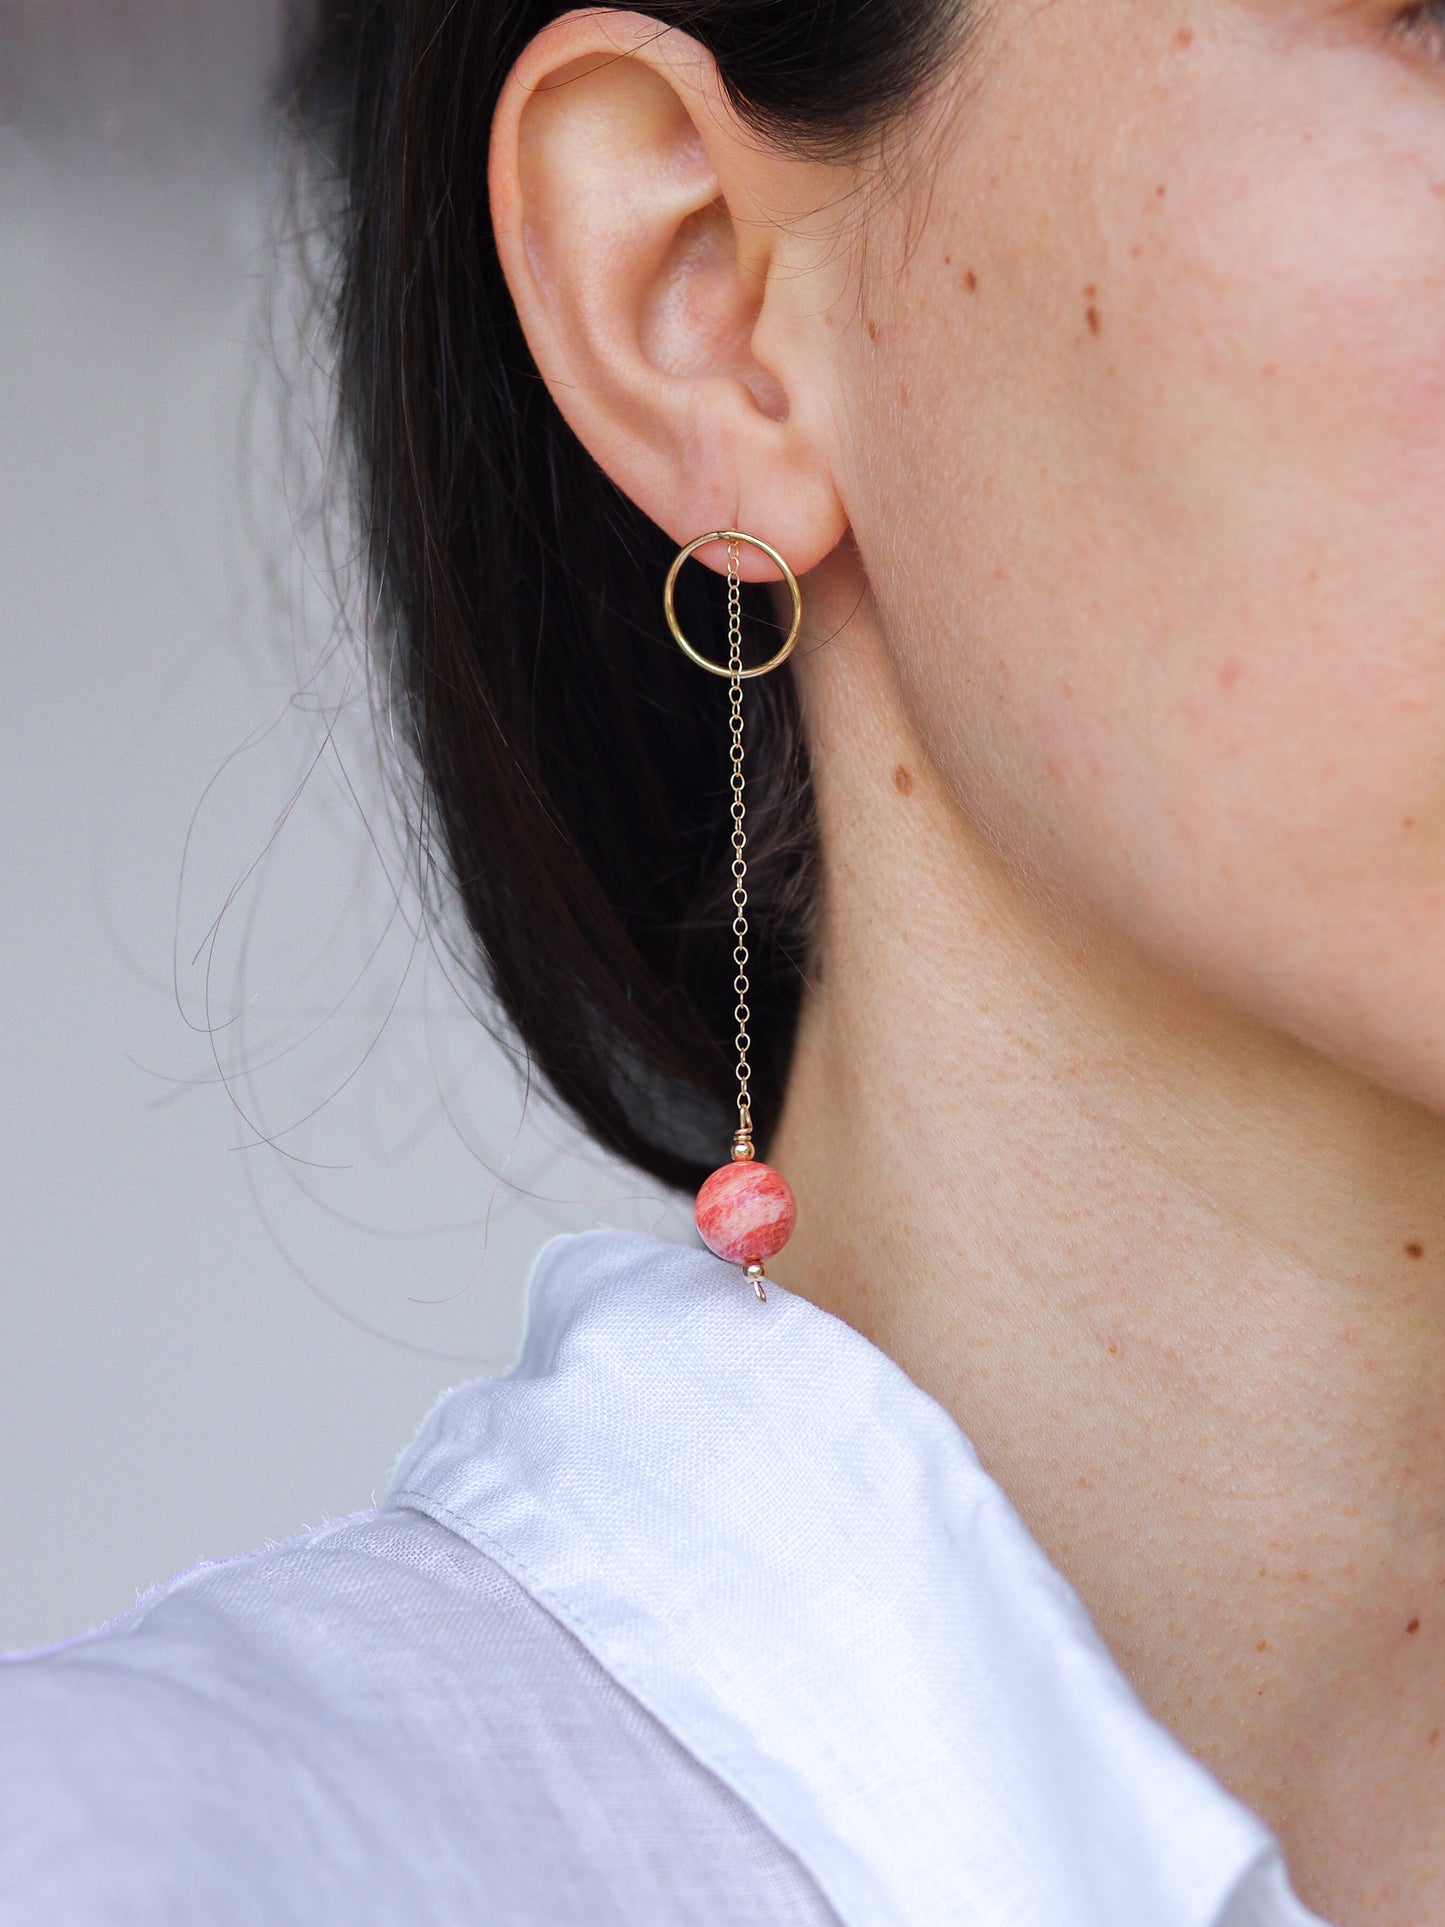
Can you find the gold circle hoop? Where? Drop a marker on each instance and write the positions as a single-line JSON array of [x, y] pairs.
[[753, 541]]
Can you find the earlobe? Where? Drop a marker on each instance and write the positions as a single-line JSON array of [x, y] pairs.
[[627, 203]]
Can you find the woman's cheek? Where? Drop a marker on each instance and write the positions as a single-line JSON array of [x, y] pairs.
[[1276, 409], [1196, 659]]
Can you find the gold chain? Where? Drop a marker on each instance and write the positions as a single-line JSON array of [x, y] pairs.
[[743, 1142]]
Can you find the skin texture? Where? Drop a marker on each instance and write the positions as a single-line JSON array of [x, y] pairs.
[[1105, 409]]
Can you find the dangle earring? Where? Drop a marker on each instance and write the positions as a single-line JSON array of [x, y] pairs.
[[746, 1210]]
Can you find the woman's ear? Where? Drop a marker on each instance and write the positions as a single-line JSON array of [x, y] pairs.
[[662, 264]]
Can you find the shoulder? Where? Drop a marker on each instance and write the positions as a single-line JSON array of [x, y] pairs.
[[372, 1721]]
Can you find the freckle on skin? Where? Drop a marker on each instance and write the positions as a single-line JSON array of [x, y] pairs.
[[1160, 191], [1413, 1627], [1262, 1646], [903, 781], [970, 281], [1434, 1736], [1407, 822], [1413, 1250], [1184, 37], [872, 327]]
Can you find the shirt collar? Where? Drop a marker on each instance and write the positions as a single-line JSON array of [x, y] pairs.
[[793, 1558]]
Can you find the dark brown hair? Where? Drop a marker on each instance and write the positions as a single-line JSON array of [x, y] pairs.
[[573, 762]]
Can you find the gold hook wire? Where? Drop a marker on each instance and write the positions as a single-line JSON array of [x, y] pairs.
[[736, 675]]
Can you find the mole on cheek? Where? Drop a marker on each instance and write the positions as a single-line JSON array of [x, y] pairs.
[[903, 781], [1413, 1250]]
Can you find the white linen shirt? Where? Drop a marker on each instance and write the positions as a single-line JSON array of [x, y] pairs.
[[703, 1614]]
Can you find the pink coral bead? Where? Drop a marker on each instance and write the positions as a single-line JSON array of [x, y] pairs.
[[746, 1212]]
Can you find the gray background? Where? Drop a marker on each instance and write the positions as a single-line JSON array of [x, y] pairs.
[[266, 1186]]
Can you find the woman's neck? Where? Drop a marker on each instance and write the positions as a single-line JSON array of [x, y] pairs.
[[1181, 1280]]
